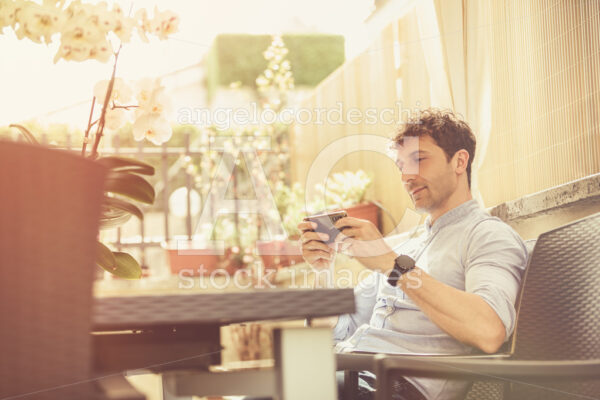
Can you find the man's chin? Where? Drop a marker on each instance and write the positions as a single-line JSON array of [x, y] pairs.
[[421, 205]]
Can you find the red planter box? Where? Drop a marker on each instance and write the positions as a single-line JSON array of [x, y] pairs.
[[191, 259], [279, 253]]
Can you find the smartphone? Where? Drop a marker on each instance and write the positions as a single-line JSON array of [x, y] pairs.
[[326, 221]]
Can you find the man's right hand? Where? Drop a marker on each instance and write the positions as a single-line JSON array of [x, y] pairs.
[[314, 250]]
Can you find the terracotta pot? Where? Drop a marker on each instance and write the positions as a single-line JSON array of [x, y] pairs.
[[279, 253], [368, 211], [191, 261]]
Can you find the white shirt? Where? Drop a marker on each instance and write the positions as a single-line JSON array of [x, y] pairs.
[[465, 248]]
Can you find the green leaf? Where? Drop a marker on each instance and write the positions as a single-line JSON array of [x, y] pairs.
[[130, 185], [113, 204], [122, 164], [118, 263], [127, 266], [105, 258], [112, 217], [28, 135]]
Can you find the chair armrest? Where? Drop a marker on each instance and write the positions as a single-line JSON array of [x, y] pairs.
[[493, 368], [480, 369], [364, 361], [117, 387], [355, 361]]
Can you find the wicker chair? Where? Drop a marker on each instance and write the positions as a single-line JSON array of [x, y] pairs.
[[49, 215], [555, 351]]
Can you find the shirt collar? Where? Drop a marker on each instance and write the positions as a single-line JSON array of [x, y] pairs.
[[451, 216]]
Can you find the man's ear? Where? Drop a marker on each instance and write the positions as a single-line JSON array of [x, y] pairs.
[[461, 158]]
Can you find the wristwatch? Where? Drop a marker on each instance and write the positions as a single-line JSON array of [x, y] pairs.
[[402, 264]]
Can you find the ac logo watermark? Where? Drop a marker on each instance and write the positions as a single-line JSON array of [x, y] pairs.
[[264, 204]]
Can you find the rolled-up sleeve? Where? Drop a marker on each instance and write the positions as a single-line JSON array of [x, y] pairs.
[[495, 261], [365, 295]]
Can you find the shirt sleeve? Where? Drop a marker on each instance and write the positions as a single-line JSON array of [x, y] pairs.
[[495, 261], [365, 297]]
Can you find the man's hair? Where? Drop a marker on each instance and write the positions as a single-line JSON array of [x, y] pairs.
[[446, 129]]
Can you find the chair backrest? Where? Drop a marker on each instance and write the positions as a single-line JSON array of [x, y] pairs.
[[559, 308], [491, 390], [49, 215]]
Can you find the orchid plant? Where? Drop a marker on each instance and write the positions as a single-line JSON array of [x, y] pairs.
[[96, 32]]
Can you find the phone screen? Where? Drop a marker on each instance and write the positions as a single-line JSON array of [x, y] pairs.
[[325, 223]]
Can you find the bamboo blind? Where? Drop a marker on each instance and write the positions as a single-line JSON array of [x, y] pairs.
[[545, 100], [545, 97]]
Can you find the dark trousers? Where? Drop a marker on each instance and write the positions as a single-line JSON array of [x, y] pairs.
[[403, 390]]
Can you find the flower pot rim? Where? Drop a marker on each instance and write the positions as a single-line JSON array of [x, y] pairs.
[[194, 244]]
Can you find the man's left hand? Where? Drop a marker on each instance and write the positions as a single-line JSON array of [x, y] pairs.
[[360, 238]]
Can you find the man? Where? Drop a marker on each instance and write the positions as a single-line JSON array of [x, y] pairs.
[[457, 290]]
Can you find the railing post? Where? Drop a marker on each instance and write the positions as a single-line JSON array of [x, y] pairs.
[[188, 185], [165, 177], [116, 145], [142, 240]]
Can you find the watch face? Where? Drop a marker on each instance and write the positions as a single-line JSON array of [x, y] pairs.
[[404, 264]]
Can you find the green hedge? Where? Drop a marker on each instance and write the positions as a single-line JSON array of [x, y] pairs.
[[239, 57]]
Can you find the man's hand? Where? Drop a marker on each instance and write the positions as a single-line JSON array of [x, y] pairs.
[[314, 250], [361, 239]]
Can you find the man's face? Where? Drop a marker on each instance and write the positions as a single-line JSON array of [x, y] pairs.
[[426, 173]]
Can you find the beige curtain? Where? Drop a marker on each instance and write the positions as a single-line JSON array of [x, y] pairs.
[[455, 37]]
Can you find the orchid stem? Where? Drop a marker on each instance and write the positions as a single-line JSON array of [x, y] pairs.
[[102, 120], [125, 107], [89, 127]]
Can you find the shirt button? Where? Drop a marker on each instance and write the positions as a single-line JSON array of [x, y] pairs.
[[390, 308]]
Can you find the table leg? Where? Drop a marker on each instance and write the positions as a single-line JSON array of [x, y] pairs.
[[166, 387], [305, 364], [179, 385]]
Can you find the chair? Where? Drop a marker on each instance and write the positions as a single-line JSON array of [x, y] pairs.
[[555, 350], [49, 216]]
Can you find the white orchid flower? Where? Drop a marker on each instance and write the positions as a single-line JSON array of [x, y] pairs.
[[99, 16], [160, 102], [123, 25], [83, 27], [38, 22], [8, 10], [144, 89], [143, 24], [101, 52], [164, 23], [100, 89], [81, 41], [115, 118], [152, 97], [153, 127]]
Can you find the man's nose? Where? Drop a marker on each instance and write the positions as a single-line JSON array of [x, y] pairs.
[[407, 178]]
